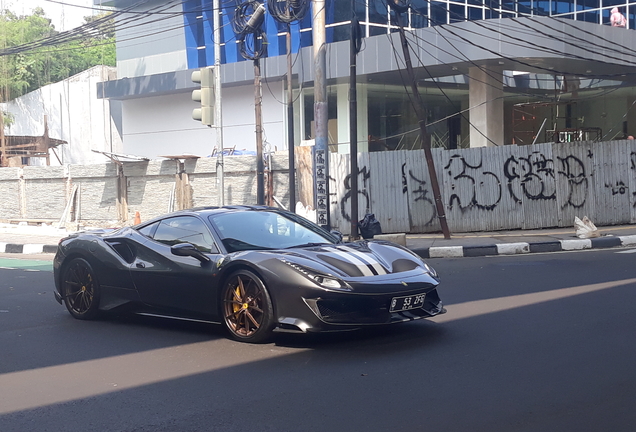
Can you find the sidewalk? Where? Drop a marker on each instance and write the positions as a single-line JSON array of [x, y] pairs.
[[517, 242], [25, 239]]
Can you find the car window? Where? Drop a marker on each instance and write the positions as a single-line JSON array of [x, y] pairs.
[[148, 230], [185, 229], [250, 230]]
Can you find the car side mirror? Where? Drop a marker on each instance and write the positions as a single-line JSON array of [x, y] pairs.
[[337, 234], [188, 249]]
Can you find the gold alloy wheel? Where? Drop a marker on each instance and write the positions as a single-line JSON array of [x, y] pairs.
[[243, 306], [80, 289], [247, 307]]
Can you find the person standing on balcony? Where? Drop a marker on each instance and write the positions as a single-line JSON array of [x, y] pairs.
[[617, 19]]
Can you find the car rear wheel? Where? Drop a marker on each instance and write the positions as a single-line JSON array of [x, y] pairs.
[[80, 289], [247, 307]]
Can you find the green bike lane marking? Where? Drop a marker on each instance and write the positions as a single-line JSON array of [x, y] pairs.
[[26, 264]]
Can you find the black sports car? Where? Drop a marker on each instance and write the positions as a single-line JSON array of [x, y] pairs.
[[255, 269]]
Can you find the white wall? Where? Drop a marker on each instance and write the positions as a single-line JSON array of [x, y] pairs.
[[74, 115], [163, 125]]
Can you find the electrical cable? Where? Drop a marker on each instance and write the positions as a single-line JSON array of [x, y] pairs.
[[493, 75], [461, 17], [437, 84], [80, 33], [177, 13], [610, 91], [356, 28], [253, 45], [247, 24], [288, 11], [524, 44]]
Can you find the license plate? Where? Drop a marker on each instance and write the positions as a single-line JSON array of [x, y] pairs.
[[399, 304]]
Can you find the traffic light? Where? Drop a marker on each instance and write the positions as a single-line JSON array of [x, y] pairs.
[[204, 95]]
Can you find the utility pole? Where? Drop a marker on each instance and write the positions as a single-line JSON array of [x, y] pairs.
[[420, 111], [321, 115], [258, 112], [218, 118], [290, 126], [353, 121], [248, 18], [288, 11]]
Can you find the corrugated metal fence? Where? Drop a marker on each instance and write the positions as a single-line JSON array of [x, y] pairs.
[[483, 189], [491, 188]]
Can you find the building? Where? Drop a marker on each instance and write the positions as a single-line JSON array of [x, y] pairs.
[[70, 113], [491, 73]]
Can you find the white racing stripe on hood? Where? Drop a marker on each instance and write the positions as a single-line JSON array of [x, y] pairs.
[[346, 256], [365, 258]]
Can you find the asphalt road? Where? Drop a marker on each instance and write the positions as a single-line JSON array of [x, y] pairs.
[[540, 342]]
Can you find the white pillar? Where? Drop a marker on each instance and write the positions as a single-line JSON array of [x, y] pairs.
[[342, 95], [342, 92], [485, 94]]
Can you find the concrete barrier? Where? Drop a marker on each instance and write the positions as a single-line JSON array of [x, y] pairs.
[[395, 238]]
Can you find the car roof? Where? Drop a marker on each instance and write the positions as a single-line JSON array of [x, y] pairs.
[[226, 209], [211, 210]]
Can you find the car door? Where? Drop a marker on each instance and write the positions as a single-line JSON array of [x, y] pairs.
[[182, 284]]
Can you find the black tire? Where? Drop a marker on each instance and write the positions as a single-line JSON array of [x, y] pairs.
[[80, 289], [246, 308]]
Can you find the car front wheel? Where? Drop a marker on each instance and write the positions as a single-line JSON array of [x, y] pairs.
[[247, 307], [80, 289]]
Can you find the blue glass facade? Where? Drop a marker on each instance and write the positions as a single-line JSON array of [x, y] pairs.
[[376, 19]]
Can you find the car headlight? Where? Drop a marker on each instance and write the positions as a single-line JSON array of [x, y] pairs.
[[430, 270], [427, 268], [320, 279]]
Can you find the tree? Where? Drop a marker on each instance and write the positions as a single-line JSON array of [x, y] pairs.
[[33, 53]]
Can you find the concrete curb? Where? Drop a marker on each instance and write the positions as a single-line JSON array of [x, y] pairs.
[[27, 248], [433, 252], [521, 248]]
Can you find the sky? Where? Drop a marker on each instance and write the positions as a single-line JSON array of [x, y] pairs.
[[64, 16]]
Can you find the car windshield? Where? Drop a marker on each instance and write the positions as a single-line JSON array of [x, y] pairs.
[[266, 230]]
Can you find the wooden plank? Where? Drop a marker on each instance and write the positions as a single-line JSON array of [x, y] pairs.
[[304, 175]]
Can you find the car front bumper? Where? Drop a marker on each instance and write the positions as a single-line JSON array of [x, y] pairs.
[[350, 312]]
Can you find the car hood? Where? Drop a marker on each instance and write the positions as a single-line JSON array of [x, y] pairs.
[[356, 259]]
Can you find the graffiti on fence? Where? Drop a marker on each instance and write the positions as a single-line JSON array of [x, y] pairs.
[[363, 196], [618, 188], [420, 194], [632, 158], [530, 182], [405, 186], [472, 187], [573, 169], [533, 178], [534, 175]]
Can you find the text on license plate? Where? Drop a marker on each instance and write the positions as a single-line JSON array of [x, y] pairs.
[[407, 302]]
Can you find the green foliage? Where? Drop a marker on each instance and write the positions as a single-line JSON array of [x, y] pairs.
[[7, 118], [37, 64]]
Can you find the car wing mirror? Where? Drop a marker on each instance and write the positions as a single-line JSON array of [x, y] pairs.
[[188, 249], [337, 234]]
